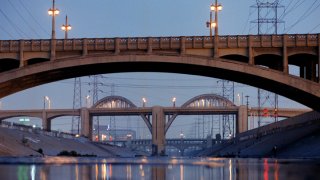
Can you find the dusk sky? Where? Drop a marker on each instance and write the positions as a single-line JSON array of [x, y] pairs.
[[28, 19]]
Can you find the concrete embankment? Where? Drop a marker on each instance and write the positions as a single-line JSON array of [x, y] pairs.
[[297, 137], [14, 142]]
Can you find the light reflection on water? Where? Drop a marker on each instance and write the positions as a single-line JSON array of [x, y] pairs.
[[157, 168]]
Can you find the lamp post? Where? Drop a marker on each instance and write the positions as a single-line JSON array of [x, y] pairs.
[[214, 7], [144, 101], [88, 101], [66, 27], [174, 99], [53, 12], [46, 99]]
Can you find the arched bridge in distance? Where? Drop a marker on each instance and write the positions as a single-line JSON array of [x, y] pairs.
[[260, 61], [157, 119]]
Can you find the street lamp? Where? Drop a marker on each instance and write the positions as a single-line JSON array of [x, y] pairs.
[[66, 27], [46, 99], [53, 12], [88, 101], [144, 101], [174, 101], [214, 7]]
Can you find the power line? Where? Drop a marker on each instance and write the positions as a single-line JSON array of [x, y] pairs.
[[306, 14], [19, 14], [6, 32], [314, 28], [16, 28], [34, 19]]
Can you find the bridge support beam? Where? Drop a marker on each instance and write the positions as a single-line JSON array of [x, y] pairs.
[[53, 50], [158, 131], [21, 54], [86, 123], [285, 55], [242, 119], [149, 45], [250, 51], [46, 124], [84, 47]]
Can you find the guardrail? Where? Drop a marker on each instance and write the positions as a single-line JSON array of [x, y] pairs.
[[143, 43]]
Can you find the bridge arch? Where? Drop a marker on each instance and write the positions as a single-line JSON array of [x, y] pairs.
[[114, 102], [236, 57], [8, 64], [307, 65], [35, 61], [208, 100], [111, 102], [202, 101], [301, 90], [271, 61]]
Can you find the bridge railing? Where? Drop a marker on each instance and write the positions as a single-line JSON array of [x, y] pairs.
[[172, 43]]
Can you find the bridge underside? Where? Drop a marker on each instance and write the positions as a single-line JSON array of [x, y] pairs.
[[292, 87]]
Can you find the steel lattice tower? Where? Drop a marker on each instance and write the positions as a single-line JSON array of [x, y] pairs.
[[77, 104], [267, 13], [112, 121], [95, 98], [227, 120]]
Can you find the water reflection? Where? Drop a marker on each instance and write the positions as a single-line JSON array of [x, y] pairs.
[[162, 168]]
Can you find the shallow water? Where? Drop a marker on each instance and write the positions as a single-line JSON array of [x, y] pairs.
[[157, 168]]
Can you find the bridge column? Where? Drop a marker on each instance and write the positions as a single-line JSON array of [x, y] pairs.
[[46, 124], [84, 47], [285, 55], [242, 120], [53, 50], [149, 45], [86, 123], [182, 45], [158, 131], [117, 46], [21, 56], [250, 51]]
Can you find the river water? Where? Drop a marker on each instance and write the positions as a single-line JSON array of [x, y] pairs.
[[157, 168]]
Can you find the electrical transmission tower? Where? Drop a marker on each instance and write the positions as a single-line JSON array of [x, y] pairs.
[[227, 120], [267, 13], [77, 104], [112, 120], [95, 98]]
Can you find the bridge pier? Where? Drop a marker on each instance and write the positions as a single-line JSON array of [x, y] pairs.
[[158, 131], [21, 54], [53, 50], [46, 124], [285, 55], [86, 123], [242, 119]]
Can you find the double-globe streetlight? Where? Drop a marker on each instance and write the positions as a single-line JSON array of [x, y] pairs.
[[66, 27], [53, 12], [214, 24]]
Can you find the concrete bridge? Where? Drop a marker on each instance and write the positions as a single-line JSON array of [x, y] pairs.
[[260, 61], [158, 119], [180, 144]]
